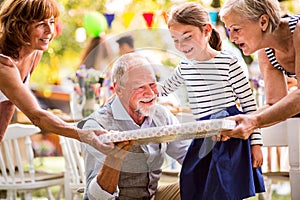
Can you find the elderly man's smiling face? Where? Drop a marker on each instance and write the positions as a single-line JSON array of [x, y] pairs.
[[139, 91]]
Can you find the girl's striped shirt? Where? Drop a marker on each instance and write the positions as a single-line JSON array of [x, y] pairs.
[[212, 86]]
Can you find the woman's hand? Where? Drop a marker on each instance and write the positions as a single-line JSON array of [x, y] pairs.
[[245, 126], [117, 150], [91, 137]]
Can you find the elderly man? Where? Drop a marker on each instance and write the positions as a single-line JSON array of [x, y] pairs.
[[131, 171]]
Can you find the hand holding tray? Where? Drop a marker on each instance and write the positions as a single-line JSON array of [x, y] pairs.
[[183, 131]]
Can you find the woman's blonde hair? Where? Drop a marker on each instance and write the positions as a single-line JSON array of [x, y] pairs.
[[253, 10], [193, 14], [15, 18]]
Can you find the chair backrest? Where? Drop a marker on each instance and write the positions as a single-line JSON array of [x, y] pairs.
[[74, 172], [275, 135], [18, 172], [13, 157]]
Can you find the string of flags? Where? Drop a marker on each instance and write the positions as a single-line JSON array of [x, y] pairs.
[[95, 22]]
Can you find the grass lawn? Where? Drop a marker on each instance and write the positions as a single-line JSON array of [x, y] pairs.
[[53, 164]]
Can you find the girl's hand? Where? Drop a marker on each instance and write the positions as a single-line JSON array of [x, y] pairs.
[[256, 156], [220, 138]]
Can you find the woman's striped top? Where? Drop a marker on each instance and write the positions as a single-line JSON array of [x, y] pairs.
[[212, 86], [270, 52]]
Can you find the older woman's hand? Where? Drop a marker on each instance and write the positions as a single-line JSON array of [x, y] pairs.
[[245, 126], [91, 137]]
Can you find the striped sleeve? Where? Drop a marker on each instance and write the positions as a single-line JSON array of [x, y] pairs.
[[172, 83], [241, 87], [244, 94]]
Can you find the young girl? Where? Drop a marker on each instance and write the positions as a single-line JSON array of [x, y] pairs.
[[215, 82]]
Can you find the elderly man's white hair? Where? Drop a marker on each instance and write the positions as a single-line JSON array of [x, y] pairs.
[[127, 62]]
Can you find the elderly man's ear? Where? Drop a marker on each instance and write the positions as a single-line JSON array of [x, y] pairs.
[[117, 89]]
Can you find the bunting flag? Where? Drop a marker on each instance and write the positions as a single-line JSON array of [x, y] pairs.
[[148, 16], [127, 18], [213, 17], [165, 16], [109, 18]]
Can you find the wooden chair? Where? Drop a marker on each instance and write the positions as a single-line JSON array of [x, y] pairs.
[[18, 175], [74, 172], [286, 133]]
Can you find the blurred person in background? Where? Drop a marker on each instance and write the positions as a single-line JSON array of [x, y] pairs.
[[97, 54], [126, 44]]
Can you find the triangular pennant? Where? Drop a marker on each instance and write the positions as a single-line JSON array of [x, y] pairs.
[[127, 18], [165, 16], [148, 16], [213, 17], [109, 18]]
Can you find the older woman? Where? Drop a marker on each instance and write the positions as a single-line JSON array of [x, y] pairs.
[[26, 29], [256, 25]]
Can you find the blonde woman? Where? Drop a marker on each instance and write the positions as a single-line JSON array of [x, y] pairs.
[[256, 25]]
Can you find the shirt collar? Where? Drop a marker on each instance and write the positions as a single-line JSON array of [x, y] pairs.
[[119, 112]]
